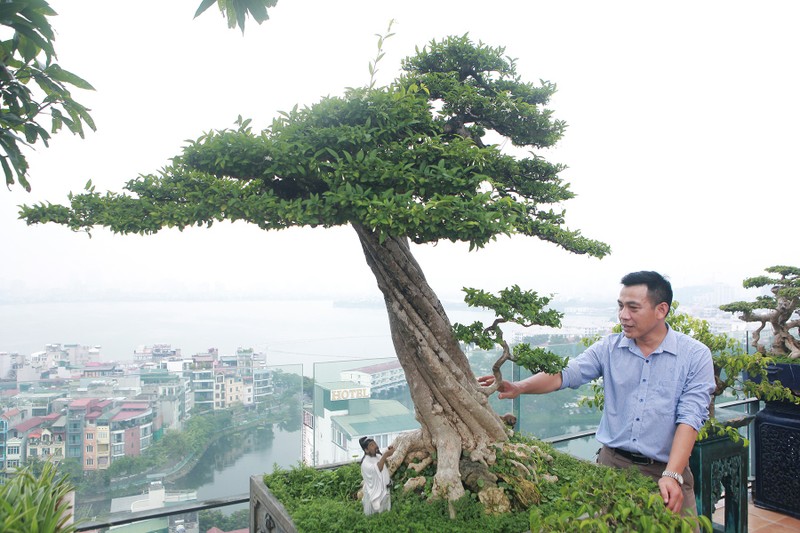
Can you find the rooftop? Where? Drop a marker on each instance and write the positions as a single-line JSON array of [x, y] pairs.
[[380, 367], [384, 416]]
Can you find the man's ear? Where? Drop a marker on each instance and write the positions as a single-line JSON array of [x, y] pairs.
[[662, 309]]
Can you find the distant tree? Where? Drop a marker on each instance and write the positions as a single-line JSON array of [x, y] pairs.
[[33, 85], [407, 163], [213, 518], [780, 310]]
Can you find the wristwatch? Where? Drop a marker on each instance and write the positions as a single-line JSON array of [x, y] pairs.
[[674, 475]]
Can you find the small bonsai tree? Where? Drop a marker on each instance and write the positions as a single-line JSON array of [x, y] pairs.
[[780, 311]]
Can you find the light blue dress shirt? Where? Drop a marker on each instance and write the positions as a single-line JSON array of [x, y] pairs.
[[646, 397]]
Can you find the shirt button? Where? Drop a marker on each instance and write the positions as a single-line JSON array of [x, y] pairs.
[[641, 400], [644, 380], [637, 419], [647, 361], [634, 440]]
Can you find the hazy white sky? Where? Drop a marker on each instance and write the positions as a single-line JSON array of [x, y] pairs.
[[681, 143]]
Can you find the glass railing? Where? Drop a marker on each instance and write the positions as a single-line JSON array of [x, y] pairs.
[[217, 452], [319, 426]]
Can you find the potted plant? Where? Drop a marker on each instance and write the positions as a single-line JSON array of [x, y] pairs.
[[777, 426]]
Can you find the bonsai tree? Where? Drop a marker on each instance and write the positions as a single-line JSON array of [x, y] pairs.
[[402, 164], [780, 311]]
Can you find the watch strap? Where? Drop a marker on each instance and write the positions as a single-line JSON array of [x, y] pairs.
[[674, 475]]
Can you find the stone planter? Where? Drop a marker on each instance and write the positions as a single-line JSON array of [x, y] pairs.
[[267, 514], [719, 463]]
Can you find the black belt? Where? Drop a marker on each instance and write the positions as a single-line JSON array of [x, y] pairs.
[[635, 458]]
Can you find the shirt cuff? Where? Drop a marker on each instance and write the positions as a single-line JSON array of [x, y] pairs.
[[693, 421]]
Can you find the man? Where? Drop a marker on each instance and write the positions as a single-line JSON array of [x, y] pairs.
[[376, 477], [657, 385]]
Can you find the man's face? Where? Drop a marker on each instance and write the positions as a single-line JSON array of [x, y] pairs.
[[372, 449], [637, 314]]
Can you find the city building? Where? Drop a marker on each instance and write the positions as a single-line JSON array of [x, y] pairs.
[[346, 410]]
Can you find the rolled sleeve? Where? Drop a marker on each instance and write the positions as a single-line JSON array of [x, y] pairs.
[[695, 399], [584, 368]]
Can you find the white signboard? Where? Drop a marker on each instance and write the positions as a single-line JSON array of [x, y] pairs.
[[349, 394]]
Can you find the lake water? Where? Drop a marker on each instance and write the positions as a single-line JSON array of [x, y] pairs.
[[226, 467]]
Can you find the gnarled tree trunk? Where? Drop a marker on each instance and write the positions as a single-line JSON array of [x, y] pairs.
[[453, 412]]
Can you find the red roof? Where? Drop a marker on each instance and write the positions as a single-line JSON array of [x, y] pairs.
[[10, 413], [26, 425], [135, 407], [81, 402]]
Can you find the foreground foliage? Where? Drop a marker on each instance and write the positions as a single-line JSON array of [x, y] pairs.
[[36, 93], [572, 495], [35, 504]]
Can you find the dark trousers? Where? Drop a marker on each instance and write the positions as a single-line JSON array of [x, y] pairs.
[[608, 457]]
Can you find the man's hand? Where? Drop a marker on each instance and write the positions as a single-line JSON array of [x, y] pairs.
[[507, 389], [384, 456], [672, 493]]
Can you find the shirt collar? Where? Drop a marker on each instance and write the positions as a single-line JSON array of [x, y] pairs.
[[668, 345]]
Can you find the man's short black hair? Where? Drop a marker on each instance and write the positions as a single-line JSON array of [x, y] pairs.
[[658, 288]]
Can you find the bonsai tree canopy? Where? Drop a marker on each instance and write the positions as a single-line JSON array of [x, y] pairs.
[[406, 163], [780, 311]]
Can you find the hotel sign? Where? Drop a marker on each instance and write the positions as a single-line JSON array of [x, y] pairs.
[[349, 394]]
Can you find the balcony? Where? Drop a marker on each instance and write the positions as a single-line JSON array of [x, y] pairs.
[[534, 417]]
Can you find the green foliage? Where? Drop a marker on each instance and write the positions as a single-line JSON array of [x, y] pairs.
[[538, 359], [525, 308], [237, 11], [35, 503], [379, 158], [713, 428], [32, 86], [214, 518], [602, 498], [373, 65]]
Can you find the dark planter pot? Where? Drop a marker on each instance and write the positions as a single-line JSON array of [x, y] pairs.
[[777, 457], [719, 463], [787, 373]]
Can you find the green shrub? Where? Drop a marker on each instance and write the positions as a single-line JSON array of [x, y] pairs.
[[586, 497], [35, 504]]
